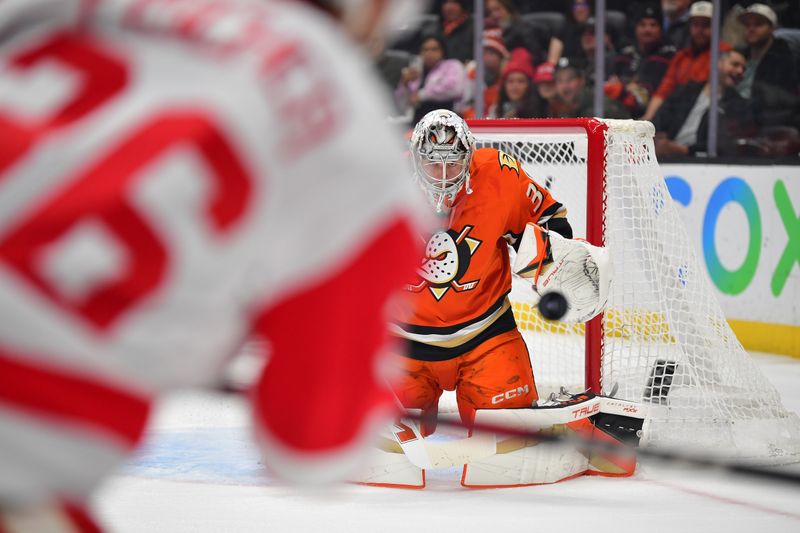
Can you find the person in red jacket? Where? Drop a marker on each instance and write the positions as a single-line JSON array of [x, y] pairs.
[[639, 67], [518, 96], [691, 63]]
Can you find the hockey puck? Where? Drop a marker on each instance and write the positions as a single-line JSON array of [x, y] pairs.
[[553, 306]]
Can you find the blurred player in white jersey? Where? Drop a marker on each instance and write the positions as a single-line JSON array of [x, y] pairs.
[[177, 176]]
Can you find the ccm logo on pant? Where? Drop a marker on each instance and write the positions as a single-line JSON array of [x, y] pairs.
[[512, 393]]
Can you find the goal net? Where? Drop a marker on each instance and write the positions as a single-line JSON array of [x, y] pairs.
[[663, 339]]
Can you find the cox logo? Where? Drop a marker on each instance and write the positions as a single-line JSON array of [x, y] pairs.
[[735, 190]]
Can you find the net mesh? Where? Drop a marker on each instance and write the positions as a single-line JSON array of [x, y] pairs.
[[665, 339]]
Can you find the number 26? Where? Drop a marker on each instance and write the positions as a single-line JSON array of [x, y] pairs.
[[100, 190]]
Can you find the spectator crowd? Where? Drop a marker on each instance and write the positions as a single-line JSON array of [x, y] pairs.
[[538, 58]]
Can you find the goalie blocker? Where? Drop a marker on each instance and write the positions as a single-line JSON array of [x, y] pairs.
[[528, 461]]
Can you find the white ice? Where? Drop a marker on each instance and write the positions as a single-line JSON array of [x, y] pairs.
[[199, 472]]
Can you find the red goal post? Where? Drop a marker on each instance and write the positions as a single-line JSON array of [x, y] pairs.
[[663, 339], [594, 131]]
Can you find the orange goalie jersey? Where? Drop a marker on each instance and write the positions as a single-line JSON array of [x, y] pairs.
[[460, 298]]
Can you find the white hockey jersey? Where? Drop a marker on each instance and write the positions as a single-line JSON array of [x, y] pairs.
[[176, 175]]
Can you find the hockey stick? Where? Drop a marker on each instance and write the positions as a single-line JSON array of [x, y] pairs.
[[584, 443]]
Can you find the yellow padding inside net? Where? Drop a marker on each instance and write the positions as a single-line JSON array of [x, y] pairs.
[[638, 324]]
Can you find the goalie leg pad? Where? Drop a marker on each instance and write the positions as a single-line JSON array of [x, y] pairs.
[[389, 469], [387, 465], [522, 462], [529, 463]]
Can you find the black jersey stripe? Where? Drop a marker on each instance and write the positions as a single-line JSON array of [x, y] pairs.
[[425, 352], [448, 330]]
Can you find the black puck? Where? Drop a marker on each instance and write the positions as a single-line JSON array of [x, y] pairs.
[[553, 306]]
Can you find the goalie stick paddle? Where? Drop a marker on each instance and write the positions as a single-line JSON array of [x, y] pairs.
[[705, 461]]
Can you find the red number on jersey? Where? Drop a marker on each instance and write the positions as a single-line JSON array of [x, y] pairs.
[[100, 193], [103, 76]]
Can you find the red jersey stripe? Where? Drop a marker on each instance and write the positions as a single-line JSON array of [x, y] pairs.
[[55, 393], [81, 519], [320, 387]]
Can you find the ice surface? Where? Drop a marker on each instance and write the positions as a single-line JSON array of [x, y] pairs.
[[198, 471]]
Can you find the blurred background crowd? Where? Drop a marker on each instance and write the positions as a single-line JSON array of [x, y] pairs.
[[539, 61]]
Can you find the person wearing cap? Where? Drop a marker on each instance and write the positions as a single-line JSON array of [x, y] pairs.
[[639, 67], [682, 122], [518, 97], [690, 63], [545, 84], [675, 22], [495, 56], [574, 97], [771, 75]]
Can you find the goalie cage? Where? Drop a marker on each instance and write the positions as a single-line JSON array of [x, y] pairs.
[[663, 339]]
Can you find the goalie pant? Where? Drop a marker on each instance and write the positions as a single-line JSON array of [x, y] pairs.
[[497, 374], [528, 461]]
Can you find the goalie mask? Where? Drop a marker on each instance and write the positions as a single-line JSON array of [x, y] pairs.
[[441, 147]]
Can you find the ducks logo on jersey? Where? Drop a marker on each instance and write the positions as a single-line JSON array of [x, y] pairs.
[[447, 257]]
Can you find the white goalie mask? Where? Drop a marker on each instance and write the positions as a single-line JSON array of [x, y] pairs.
[[441, 147]]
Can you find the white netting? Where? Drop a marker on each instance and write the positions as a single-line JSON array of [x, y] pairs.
[[665, 341]]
